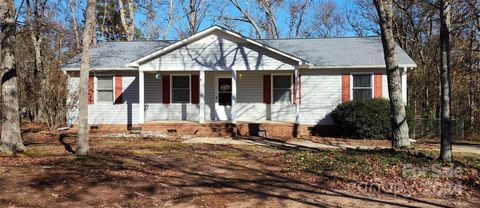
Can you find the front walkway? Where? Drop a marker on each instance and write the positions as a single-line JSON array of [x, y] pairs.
[[307, 144]]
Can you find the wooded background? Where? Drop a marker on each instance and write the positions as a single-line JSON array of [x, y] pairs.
[[49, 32]]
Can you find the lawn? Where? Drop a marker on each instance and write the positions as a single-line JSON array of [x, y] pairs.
[[149, 172]]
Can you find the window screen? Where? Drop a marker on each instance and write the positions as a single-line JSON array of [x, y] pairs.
[[180, 89], [105, 88], [282, 88], [362, 86]]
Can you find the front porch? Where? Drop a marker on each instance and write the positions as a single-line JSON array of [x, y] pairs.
[[218, 96]]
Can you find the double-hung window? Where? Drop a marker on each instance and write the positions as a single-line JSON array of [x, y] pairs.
[[362, 86], [105, 88], [181, 89], [282, 88]]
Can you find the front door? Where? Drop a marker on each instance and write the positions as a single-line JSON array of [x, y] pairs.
[[223, 104]]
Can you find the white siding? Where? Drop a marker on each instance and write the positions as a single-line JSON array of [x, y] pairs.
[[125, 113], [218, 52], [321, 93]]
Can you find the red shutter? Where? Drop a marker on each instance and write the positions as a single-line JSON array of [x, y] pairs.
[[267, 89], [118, 89], [345, 87], [377, 91], [195, 90], [166, 89], [91, 90]]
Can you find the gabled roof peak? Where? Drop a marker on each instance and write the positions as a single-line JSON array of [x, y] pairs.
[[207, 32]]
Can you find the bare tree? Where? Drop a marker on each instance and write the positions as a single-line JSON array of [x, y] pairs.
[[88, 33], [35, 12], [128, 24], [247, 16], [11, 140], [170, 19], [297, 10], [400, 136], [34, 25], [446, 121], [270, 24], [195, 12], [75, 25]]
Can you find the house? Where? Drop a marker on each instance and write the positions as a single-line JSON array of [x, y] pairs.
[[218, 77]]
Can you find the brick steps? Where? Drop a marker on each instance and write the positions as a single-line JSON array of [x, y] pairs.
[[217, 130]]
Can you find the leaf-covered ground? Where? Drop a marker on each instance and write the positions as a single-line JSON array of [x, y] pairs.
[[139, 172]]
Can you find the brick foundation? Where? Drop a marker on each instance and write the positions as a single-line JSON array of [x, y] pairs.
[[283, 131]]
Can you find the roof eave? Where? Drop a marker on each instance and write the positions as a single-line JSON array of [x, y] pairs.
[[360, 66], [72, 69]]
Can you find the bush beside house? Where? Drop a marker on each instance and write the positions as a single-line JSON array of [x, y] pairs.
[[366, 119]]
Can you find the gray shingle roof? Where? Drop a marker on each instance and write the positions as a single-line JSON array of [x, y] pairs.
[[118, 54], [326, 52], [338, 52]]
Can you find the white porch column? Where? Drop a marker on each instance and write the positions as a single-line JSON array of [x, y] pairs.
[[141, 94], [297, 95], [404, 85], [201, 117], [234, 96]]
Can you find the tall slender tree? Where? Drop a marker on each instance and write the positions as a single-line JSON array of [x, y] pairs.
[[400, 136], [88, 33], [445, 114], [11, 140], [127, 16]]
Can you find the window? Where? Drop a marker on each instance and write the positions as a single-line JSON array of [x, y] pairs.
[[105, 88], [282, 88], [180, 89], [362, 86]]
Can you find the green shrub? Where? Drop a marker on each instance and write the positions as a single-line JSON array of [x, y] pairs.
[[366, 119]]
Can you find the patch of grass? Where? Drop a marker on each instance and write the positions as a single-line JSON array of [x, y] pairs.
[[143, 152], [466, 159], [356, 162], [436, 140], [161, 144], [227, 154], [43, 151], [89, 161]]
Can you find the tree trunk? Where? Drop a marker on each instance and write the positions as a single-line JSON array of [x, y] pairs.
[[128, 26], [11, 140], [446, 122], [400, 136], [34, 24], [75, 25], [82, 144]]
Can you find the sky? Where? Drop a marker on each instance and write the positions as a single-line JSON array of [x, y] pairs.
[[63, 13], [245, 28]]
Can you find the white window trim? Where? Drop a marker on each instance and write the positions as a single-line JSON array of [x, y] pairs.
[[272, 89], [189, 88], [95, 88], [372, 82]]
